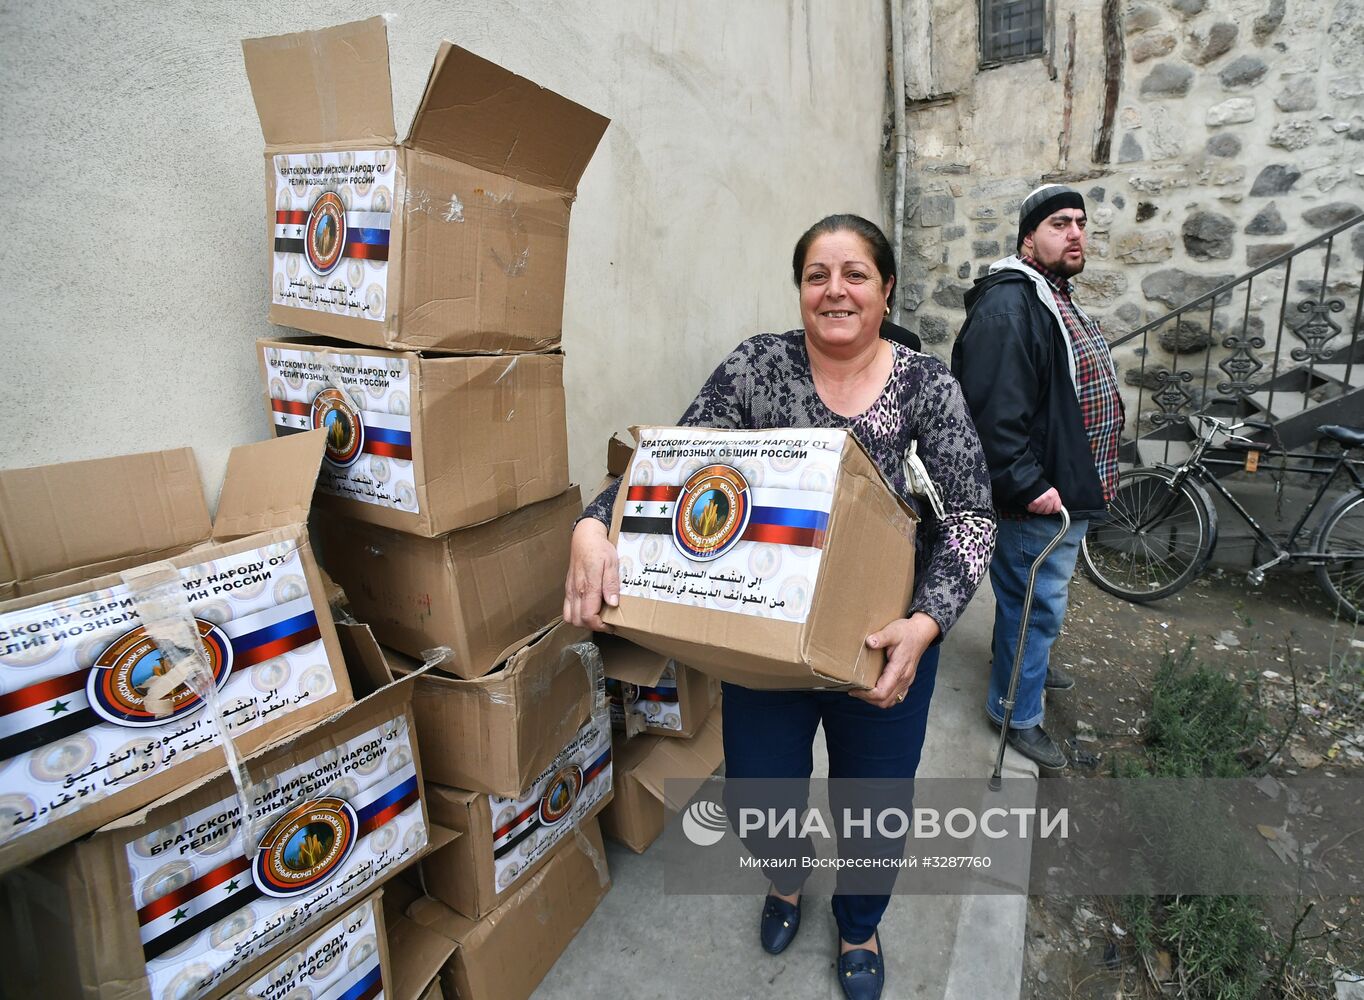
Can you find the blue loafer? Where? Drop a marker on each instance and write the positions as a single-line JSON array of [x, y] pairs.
[[780, 922], [861, 973]]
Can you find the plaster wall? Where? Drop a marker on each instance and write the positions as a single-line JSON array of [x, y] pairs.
[[136, 262]]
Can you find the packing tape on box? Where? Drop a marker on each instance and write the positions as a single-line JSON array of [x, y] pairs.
[[163, 609], [437, 655], [518, 236], [507, 390], [590, 657], [184, 671], [598, 858]]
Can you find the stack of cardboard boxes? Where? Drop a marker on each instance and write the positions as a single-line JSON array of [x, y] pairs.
[[429, 277], [143, 648]]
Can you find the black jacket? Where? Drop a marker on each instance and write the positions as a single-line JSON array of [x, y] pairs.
[[898, 334], [1014, 364]]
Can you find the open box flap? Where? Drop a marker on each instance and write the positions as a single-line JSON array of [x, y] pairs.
[[694, 760], [478, 113], [269, 484], [624, 661], [323, 86], [60, 517]]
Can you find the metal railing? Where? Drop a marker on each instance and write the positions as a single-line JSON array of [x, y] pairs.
[[1316, 363]]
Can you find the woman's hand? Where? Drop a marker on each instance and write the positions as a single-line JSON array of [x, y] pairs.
[[904, 641], [593, 576]]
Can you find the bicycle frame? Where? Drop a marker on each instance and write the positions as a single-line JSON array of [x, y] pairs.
[[1194, 468]]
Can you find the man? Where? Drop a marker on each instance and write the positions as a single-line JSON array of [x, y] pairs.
[[1039, 380]]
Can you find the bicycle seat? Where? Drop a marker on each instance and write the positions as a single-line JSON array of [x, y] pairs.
[[1350, 437]]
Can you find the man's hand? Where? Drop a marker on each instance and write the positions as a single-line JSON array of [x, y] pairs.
[[1048, 503], [904, 641], [593, 576]]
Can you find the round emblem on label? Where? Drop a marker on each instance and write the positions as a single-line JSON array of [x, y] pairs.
[[561, 794], [333, 411], [305, 847], [122, 671], [325, 239], [712, 512]]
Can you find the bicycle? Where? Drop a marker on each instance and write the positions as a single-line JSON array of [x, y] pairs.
[[1162, 526]]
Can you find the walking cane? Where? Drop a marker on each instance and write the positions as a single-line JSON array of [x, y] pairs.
[[1008, 702]]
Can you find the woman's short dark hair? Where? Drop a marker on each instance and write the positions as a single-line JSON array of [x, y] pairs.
[[882, 255]]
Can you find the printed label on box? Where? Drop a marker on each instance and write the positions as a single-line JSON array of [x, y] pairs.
[[525, 829], [658, 704], [73, 728], [364, 401], [729, 521], [333, 213], [332, 827], [341, 963]]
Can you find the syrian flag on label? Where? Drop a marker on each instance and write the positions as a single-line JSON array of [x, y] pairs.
[[53, 709], [778, 516], [307, 846]]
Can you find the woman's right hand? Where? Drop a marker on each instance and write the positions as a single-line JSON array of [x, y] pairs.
[[593, 576]]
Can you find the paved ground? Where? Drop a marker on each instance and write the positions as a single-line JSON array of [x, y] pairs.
[[642, 943]]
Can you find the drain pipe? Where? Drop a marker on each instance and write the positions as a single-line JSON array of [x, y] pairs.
[[898, 136]]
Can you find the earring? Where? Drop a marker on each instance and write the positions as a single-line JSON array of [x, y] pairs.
[[887, 308]]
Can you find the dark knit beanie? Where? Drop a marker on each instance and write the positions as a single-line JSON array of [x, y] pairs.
[[1043, 202]]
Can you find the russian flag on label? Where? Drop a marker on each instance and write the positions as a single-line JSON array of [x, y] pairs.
[[781, 517], [366, 985], [385, 434], [367, 233]]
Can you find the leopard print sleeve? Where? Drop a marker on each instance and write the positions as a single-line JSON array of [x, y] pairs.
[[956, 548]]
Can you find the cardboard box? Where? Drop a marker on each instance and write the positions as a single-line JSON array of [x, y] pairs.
[[417, 953], [454, 239], [173, 900], [644, 765], [419, 443], [504, 839], [347, 960], [649, 692], [505, 955], [618, 455], [479, 591], [78, 744], [498, 732], [763, 557]]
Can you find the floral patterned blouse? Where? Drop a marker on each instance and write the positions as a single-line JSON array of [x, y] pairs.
[[766, 382]]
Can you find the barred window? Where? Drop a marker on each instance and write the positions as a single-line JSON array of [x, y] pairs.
[[1011, 29]]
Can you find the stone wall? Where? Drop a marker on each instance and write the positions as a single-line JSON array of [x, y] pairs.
[[1208, 136]]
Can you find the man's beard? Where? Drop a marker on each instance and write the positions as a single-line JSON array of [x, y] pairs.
[[1067, 268]]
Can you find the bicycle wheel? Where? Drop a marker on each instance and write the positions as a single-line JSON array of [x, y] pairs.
[[1341, 538], [1157, 537]]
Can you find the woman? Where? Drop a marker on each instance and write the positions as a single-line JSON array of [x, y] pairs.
[[838, 372]]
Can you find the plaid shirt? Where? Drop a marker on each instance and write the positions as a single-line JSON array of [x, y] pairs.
[[1096, 383]]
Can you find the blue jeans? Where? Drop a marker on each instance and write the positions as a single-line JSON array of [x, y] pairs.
[[1020, 543], [770, 734]]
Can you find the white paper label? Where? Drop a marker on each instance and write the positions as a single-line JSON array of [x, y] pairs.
[[340, 962], [72, 726], [334, 826], [333, 213], [658, 705], [364, 401], [729, 520], [525, 829]]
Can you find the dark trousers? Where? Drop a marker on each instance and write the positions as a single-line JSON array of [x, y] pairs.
[[873, 754]]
